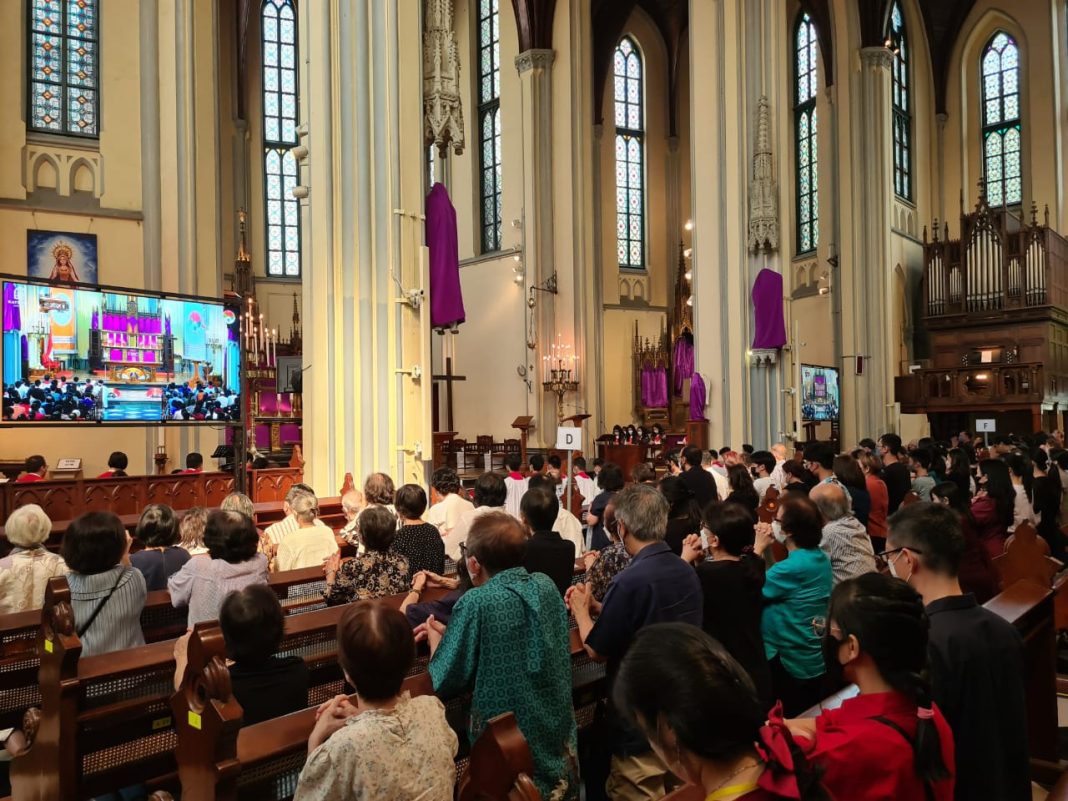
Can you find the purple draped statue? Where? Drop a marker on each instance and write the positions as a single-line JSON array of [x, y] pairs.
[[769, 326], [12, 311], [683, 361], [446, 298], [697, 397]]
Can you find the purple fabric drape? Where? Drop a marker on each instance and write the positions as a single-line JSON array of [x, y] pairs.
[[683, 362], [12, 311], [446, 297], [697, 397], [25, 342], [660, 386], [646, 384], [769, 326]]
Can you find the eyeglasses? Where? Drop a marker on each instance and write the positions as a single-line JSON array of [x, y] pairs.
[[819, 626], [882, 559]]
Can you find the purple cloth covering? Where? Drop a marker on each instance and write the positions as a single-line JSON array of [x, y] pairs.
[[654, 386], [25, 348], [683, 362], [12, 312], [769, 326], [446, 297], [697, 397]]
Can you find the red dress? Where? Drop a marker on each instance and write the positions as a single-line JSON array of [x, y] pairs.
[[880, 504], [868, 759], [990, 529]]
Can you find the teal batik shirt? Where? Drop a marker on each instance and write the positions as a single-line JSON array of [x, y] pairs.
[[507, 643]]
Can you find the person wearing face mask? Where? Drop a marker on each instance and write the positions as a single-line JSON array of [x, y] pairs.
[[696, 706], [993, 505], [891, 741], [795, 591], [976, 657]]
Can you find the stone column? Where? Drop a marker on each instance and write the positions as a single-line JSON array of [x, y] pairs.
[[866, 270], [362, 244], [536, 113]]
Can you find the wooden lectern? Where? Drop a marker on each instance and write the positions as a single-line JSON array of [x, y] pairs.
[[626, 456], [524, 424]]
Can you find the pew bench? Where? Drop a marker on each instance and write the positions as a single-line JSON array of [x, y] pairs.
[[105, 722]]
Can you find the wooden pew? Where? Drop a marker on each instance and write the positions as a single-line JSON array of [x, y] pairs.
[[298, 590], [105, 722], [218, 760]]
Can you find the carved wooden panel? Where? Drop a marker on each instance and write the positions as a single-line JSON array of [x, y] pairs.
[[180, 492], [273, 484], [106, 496], [59, 499], [216, 488]]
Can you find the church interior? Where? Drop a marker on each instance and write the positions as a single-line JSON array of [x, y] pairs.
[[277, 266]]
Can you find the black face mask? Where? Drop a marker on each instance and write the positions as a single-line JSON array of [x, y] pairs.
[[835, 669]]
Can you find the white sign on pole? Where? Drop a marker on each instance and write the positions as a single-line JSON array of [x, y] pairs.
[[568, 438], [985, 426]]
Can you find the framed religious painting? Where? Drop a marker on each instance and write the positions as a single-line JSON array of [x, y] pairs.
[[61, 258]]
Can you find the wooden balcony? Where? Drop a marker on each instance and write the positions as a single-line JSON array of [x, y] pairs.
[[966, 389]]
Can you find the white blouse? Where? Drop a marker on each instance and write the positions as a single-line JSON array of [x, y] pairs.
[[23, 576]]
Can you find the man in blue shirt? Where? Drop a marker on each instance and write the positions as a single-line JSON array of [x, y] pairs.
[[656, 587]]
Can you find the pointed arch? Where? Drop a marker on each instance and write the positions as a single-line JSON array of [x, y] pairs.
[[901, 96], [628, 80], [999, 73], [63, 67], [488, 101], [806, 126], [279, 86]]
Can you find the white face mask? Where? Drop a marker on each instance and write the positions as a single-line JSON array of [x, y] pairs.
[[893, 570], [777, 532]]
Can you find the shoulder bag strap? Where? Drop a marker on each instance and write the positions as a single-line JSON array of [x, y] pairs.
[[84, 628]]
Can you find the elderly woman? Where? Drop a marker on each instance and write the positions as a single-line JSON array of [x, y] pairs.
[[107, 594], [160, 558], [375, 573], [384, 744], [311, 544], [379, 490], [191, 531], [26, 570], [202, 584]]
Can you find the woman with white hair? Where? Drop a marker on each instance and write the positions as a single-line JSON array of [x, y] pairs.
[[26, 570]]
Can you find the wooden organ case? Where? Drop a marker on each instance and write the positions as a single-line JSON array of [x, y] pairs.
[[996, 309]]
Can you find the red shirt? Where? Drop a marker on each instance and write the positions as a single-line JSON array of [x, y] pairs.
[[27, 478], [191, 470], [865, 758], [880, 504]]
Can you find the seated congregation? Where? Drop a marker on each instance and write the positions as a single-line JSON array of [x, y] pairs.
[[733, 625]]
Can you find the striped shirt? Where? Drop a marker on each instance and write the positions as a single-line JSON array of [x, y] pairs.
[[202, 584], [848, 546], [118, 624]]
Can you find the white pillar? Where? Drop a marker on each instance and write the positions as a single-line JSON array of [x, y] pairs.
[[362, 243]]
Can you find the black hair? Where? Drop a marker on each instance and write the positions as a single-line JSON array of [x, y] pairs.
[[540, 507], [513, 461], [34, 463], [230, 536], [554, 462], [802, 520], [999, 488], [378, 527], [747, 448], [933, 530], [193, 461], [847, 470], [490, 490], [445, 480], [821, 453], [764, 459], [692, 456], [158, 526], [410, 501], [888, 619], [892, 442], [923, 457], [252, 623], [375, 648], [537, 462], [867, 443], [578, 463], [675, 674], [94, 543], [610, 479], [741, 484], [543, 481], [118, 461], [1020, 465], [960, 470], [732, 523]]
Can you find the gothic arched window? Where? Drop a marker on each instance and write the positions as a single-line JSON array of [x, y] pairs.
[[629, 98], [806, 153], [279, 49], [1000, 67], [902, 104], [63, 67], [489, 123]]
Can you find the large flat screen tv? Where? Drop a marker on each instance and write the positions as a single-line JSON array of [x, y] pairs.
[[820, 397], [77, 353]]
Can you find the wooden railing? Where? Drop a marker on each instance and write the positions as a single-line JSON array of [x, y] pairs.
[[951, 388]]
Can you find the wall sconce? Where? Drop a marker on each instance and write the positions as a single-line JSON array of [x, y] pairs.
[[689, 225]]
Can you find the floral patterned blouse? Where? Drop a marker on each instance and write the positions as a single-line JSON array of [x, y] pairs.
[[372, 574], [612, 560], [402, 754]]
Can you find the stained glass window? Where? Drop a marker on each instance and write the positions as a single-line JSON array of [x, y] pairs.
[[64, 67], [280, 171], [630, 155], [902, 104], [489, 123], [806, 62], [1001, 121]]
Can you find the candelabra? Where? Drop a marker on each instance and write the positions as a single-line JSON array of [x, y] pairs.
[[560, 374]]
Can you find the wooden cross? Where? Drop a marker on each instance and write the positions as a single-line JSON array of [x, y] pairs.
[[448, 378]]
